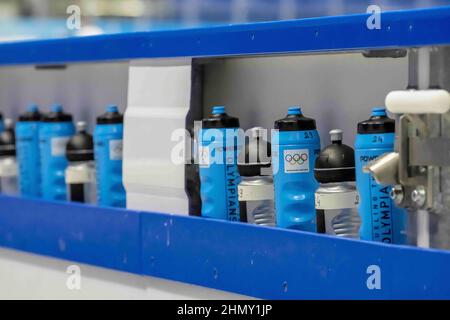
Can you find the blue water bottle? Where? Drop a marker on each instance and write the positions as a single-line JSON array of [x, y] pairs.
[[27, 144], [219, 176], [381, 220], [55, 131], [295, 145], [108, 141]]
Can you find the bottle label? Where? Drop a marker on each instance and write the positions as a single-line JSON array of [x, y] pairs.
[[58, 146], [79, 175], [382, 221], [115, 149], [232, 181], [329, 201], [296, 161], [8, 169], [381, 208], [255, 192]]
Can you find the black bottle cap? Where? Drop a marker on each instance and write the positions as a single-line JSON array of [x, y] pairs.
[[335, 163], [378, 122], [8, 140], [256, 156], [219, 119], [57, 114], [295, 121], [81, 146], [31, 115], [111, 116]]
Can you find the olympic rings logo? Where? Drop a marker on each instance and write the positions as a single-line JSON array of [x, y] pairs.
[[296, 158]]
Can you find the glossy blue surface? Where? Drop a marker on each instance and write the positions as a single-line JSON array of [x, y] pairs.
[[294, 183], [108, 140], [27, 144], [53, 137], [381, 220], [102, 237], [219, 176], [398, 29]]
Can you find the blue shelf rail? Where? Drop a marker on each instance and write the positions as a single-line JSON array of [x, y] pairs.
[[407, 28], [255, 261]]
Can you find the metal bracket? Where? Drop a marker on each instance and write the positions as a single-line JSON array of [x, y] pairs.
[[429, 152]]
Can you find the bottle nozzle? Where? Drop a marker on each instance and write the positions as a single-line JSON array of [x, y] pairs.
[[9, 123], [81, 126], [57, 108], [32, 108], [379, 112], [218, 110], [294, 110], [112, 109]]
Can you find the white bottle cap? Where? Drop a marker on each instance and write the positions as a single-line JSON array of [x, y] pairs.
[[336, 135], [9, 123], [81, 126]]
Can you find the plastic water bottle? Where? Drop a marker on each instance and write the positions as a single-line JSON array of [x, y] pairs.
[[8, 163], [80, 173], [382, 221], [27, 142], [108, 143], [256, 187], [336, 198], [54, 132], [219, 176], [295, 146]]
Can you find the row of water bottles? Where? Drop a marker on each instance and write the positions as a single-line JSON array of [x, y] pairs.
[[292, 183], [47, 156]]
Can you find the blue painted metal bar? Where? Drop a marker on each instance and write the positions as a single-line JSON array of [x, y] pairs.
[[280, 264], [246, 259], [398, 29], [104, 237]]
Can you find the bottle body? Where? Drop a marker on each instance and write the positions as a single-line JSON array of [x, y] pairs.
[[381, 220], [219, 175], [337, 209], [80, 181], [256, 200], [53, 137], [8, 175], [293, 156], [108, 162], [27, 144]]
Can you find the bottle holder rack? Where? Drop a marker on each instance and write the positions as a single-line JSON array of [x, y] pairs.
[[255, 261]]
